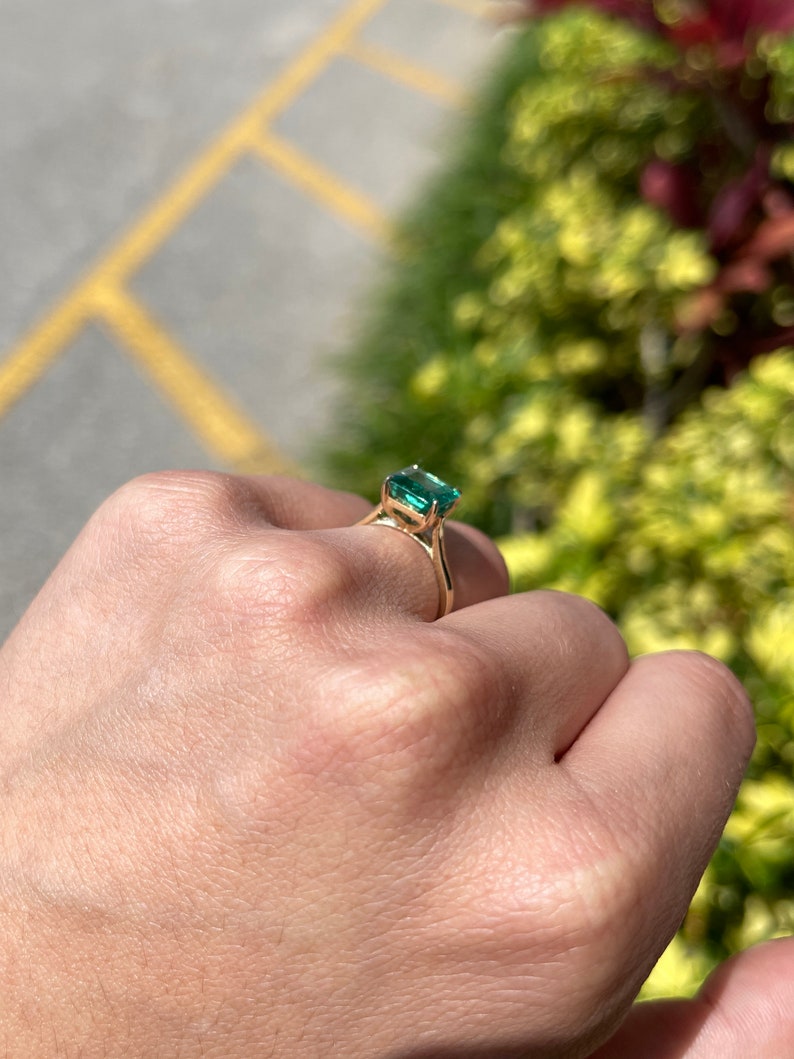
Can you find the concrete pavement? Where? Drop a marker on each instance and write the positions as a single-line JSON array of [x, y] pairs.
[[193, 197]]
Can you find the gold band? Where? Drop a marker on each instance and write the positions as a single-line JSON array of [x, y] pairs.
[[416, 503]]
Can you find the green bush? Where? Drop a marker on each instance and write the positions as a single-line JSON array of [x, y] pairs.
[[531, 345]]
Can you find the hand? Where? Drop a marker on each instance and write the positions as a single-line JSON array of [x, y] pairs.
[[256, 803]]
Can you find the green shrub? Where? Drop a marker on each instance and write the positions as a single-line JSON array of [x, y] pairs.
[[534, 345]]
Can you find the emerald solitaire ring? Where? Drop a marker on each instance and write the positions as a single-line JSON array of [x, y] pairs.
[[416, 503]]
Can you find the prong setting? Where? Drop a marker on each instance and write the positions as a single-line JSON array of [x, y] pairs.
[[416, 503]]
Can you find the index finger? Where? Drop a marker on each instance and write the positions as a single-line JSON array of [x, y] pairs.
[[661, 763]]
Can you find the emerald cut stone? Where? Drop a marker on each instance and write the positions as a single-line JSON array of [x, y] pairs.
[[417, 490]]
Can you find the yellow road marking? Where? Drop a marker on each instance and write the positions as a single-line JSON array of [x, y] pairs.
[[219, 424], [32, 355], [308, 66], [322, 185], [161, 220], [391, 65], [35, 352]]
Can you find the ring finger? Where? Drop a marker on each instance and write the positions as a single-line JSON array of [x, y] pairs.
[[393, 565]]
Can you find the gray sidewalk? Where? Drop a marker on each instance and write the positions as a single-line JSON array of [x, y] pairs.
[[193, 199]]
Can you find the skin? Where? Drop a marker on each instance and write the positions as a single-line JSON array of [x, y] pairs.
[[255, 802]]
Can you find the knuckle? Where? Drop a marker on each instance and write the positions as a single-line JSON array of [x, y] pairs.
[[320, 574], [195, 495], [433, 702], [168, 508], [573, 625], [376, 712], [412, 711], [293, 578], [471, 683], [577, 909]]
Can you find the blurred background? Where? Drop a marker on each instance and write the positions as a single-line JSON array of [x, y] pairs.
[[557, 263], [193, 195], [590, 330]]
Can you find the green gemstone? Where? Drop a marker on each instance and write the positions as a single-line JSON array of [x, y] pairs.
[[417, 490]]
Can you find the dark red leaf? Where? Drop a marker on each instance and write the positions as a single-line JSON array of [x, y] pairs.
[[738, 18], [740, 275], [733, 204], [691, 31], [723, 24], [673, 188]]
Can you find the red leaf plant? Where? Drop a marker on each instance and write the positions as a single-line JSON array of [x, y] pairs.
[[727, 186]]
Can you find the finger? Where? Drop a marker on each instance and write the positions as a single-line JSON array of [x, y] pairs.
[[659, 766], [477, 566], [380, 569], [677, 731], [291, 503], [393, 566], [559, 655], [745, 1008]]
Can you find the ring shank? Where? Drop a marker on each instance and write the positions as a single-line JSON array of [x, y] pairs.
[[431, 541]]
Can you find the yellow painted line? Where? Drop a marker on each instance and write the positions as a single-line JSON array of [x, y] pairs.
[[322, 185], [217, 422], [39, 348], [311, 63], [32, 355], [418, 78], [160, 221]]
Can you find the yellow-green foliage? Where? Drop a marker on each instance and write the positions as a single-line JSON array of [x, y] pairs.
[[526, 349], [689, 542]]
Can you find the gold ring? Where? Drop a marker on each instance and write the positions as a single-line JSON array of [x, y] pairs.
[[416, 503]]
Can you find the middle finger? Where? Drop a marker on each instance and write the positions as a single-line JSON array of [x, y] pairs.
[[561, 656]]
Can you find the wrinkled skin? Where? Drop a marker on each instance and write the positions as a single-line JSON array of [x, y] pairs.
[[255, 802]]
